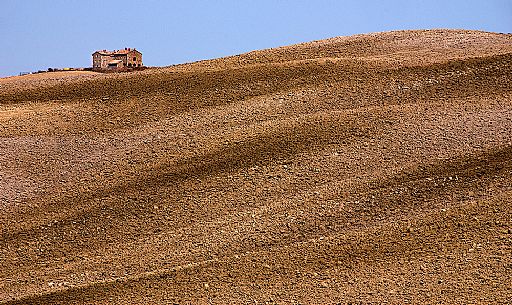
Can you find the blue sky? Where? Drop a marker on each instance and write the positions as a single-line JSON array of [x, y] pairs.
[[37, 34]]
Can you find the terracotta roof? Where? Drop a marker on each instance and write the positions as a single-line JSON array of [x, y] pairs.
[[116, 52]]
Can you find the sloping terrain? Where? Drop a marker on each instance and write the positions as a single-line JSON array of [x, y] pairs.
[[372, 168]]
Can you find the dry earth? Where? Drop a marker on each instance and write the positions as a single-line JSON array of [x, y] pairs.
[[366, 169]]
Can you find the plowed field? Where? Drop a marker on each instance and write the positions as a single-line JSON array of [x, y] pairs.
[[372, 168]]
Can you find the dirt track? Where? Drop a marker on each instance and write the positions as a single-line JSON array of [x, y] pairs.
[[372, 168]]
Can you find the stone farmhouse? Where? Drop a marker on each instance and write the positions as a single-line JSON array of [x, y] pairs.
[[118, 59]]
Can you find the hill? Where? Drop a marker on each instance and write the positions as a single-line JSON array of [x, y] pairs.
[[371, 168]]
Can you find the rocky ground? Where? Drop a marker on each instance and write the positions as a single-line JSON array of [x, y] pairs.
[[372, 168]]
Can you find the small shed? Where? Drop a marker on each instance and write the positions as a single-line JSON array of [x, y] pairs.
[[115, 64]]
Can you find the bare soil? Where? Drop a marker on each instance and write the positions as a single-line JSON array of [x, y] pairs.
[[367, 169]]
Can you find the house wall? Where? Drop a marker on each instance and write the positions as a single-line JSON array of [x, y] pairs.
[[134, 59], [96, 61]]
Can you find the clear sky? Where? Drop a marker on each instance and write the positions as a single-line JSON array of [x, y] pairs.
[[38, 34]]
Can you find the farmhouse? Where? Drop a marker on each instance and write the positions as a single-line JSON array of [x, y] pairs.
[[127, 58]]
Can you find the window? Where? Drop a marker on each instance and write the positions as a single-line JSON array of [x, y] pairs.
[[135, 59]]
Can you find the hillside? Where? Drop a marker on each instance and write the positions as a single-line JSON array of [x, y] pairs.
[[370, 168]]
